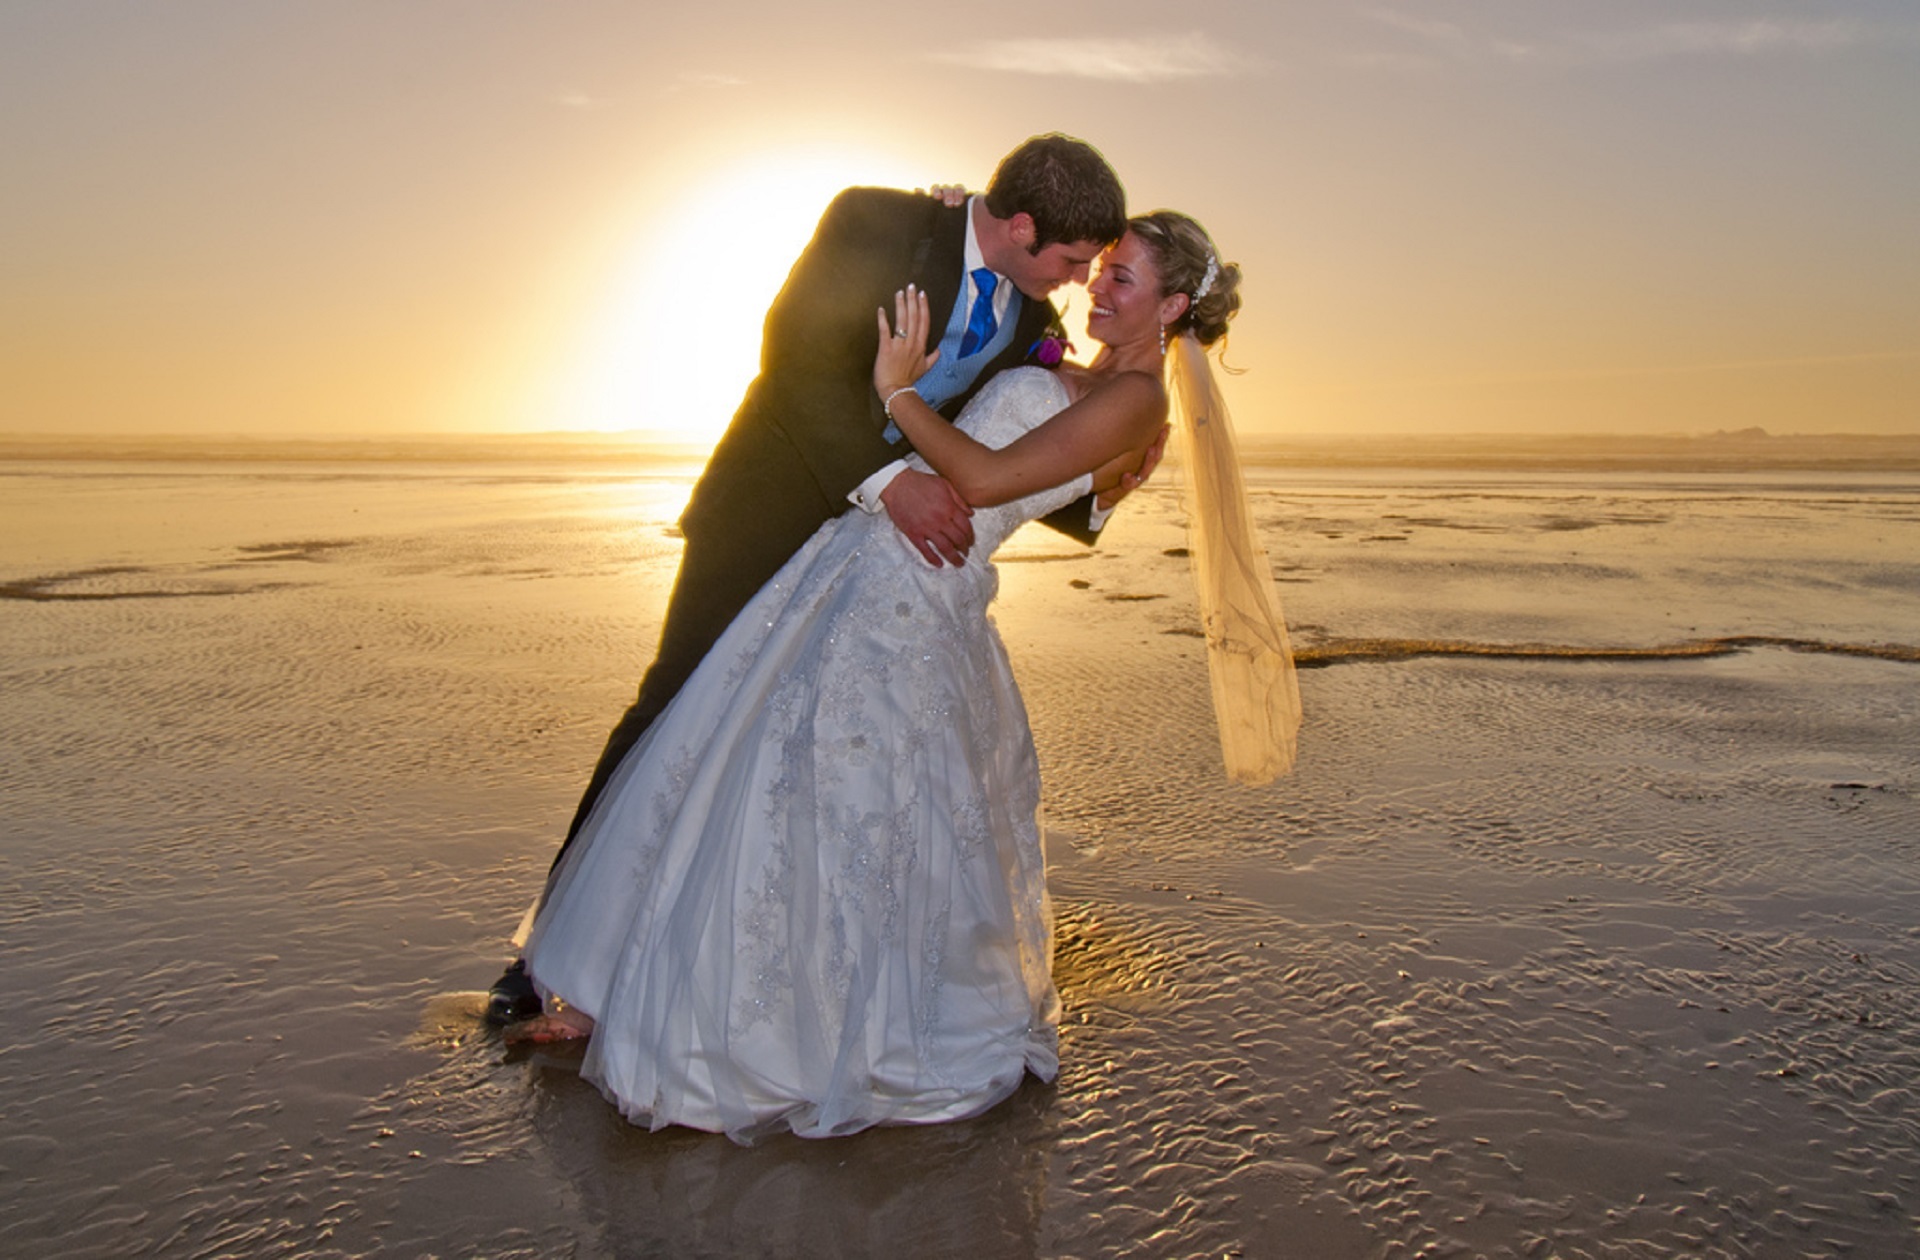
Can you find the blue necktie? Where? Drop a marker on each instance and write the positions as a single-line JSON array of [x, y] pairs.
[[980, 324]]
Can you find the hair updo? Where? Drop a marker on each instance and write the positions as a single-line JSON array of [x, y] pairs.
[[1181, 250]]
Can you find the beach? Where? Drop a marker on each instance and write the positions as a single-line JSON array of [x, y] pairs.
[[1583, 927]]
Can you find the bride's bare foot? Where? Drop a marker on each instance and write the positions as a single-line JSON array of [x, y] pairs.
[[565, 1024]]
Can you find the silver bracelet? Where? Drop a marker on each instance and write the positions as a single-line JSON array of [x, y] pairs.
[[887, 406]]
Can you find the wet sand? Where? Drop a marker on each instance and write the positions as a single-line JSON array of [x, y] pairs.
[[1584, 927]]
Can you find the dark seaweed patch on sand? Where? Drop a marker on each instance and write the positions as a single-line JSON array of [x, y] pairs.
[[109, 582], [309, 550]]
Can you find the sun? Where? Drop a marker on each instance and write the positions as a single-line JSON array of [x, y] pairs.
[[678, 338]]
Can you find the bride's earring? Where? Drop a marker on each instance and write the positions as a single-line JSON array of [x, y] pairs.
[[1163, 340]]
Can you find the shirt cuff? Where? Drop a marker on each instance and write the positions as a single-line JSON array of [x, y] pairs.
[[866, 495], [1098, 516]]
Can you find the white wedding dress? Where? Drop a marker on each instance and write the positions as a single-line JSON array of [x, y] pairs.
[[813, 897]]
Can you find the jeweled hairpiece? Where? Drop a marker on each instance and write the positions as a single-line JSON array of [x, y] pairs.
[[1206, 281]]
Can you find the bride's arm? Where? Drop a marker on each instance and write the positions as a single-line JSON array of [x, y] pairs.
[[1115, 420]]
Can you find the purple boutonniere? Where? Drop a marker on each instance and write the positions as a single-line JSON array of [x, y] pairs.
[[1049, 350]]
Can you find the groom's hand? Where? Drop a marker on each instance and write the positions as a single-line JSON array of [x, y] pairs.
[[932, 515]]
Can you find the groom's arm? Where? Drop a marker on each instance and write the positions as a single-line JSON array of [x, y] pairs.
[[1076, 520]]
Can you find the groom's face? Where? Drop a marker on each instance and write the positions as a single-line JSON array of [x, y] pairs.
[[1037, 275], [1038, 272]]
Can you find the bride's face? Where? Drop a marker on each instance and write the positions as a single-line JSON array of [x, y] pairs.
[[1125, 291]]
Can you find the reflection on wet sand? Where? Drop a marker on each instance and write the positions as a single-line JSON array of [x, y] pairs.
[[973, 1188]]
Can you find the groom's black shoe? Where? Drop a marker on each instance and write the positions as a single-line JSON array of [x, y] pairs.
[[512, 996]]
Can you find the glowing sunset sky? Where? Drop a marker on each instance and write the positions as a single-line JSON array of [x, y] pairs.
[[250, 216]]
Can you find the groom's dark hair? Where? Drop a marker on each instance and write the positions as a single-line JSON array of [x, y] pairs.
[[1065, 186]]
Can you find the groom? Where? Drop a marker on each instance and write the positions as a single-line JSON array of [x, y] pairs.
[[811, 437]]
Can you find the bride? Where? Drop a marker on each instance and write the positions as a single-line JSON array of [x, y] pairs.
[[813, 897]]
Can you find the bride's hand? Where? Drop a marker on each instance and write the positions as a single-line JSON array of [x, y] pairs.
[[1132, 478], [902, 358]]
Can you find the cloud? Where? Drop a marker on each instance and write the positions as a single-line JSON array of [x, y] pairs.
[[1745, 39], [686, 81], [1432, 29], [691, 80], [1432, 42], [1145, 59], [1441, 40]]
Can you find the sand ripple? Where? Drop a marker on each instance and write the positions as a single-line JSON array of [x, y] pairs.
[[1600, 949]]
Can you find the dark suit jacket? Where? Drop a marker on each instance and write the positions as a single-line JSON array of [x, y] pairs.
[[811, 428]]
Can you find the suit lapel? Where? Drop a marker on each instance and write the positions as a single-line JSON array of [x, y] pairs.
[[1031, 322], [1034, 318], [939, 276]]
